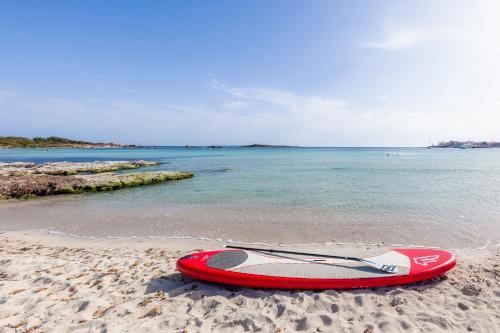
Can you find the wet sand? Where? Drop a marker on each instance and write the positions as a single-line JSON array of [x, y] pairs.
[[53, 283], [107, 215]]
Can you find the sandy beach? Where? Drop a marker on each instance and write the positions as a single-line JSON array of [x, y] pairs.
[[54, 283], [259, 145]]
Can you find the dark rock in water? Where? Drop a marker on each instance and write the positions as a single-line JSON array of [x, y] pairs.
[[211, 146]]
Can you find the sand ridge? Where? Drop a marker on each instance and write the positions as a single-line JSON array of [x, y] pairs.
[[81, 286]]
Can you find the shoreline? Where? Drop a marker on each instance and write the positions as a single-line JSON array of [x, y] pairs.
[[59, 283], [113, 215], [68, 238]]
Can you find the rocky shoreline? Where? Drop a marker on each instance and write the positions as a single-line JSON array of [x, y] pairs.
[[21, 180], [70, 168], [55, 142]]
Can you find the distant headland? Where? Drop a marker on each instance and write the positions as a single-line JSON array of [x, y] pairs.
[[54, 142], [467, 144], [255, 145]]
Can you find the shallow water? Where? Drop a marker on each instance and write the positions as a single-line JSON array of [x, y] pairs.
[[442, 197]]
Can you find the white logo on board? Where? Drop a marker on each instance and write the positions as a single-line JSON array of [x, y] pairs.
[[424, 261]]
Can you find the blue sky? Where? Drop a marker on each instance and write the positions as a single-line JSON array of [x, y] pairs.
[[313, 73]]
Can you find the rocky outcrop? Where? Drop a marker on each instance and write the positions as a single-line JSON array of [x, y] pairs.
[[70, 168], [30, 186], [28, 180]]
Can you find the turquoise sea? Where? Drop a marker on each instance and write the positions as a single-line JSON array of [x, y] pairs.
[[442, 197]]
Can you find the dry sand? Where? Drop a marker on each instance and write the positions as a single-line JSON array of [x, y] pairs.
[[53, 283]]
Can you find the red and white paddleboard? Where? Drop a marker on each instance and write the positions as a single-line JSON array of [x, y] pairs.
[[285, 271]]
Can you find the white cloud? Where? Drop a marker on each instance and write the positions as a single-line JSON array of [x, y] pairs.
[[9, 94], [149, 123], [234, 105], [291, 102], [398, 38]]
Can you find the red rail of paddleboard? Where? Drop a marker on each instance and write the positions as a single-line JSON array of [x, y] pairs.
[[425, 264]]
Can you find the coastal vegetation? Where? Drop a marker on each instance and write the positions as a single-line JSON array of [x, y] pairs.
[[28, 180], [53, 142]]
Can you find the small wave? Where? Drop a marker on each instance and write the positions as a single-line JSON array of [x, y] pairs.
[[485, 246]]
